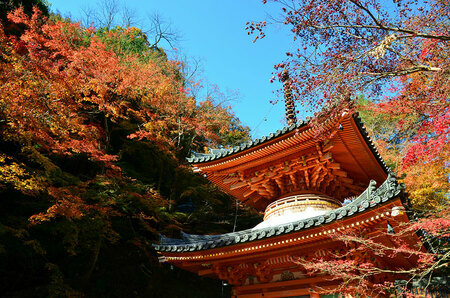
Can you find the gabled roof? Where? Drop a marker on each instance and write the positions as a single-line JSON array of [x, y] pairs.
[[370, 198]]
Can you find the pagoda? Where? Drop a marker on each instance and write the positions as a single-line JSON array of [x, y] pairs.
[[310, 188]]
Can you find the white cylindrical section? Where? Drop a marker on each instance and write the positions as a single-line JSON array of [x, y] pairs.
[[297, 207]]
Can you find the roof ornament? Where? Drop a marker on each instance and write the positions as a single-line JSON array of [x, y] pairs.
[[390, 229], [288, 99], [364, 201]]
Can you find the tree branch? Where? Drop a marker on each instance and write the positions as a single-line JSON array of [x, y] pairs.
[[411, 32]]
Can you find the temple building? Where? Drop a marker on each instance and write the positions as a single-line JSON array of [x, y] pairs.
[[310, 187]]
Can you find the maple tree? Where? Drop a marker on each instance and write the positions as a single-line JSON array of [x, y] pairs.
[[27, 5], [359, 264], [69, 78], [395, 134], [94, 128], [394, 54]]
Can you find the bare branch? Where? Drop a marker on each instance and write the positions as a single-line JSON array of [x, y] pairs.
[[376, 21], [108, 11], [129, 17], [161, 30]]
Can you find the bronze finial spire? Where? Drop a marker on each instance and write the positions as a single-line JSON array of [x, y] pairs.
[[289, 101]]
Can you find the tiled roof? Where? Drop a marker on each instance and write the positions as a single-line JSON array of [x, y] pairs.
[[220, 153], [370, 143], [216, 154], [370, 198]]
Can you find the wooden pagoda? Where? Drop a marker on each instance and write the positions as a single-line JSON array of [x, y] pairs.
[[300, 180]]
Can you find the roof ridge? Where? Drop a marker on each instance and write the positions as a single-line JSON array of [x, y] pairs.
[[362, 129], [205, 157], [196, 158], [369, 198]]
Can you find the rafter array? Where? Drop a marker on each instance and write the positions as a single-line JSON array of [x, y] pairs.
[[314, 171]]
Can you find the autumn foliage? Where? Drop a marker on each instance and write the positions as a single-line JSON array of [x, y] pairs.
[[359, 265], [388, 61], [95, 124], [94, 128], [63, 88], [394, 54]]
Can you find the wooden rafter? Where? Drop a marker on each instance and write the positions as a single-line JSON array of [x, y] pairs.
[[238, 185], [297, 161], [313, 171], [230, 180], [306, 178], [280, 181], [249, 192], [294, 180], [321, 178]]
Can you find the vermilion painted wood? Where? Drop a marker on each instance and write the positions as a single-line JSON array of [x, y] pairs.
[[340, 165], [287, 246]]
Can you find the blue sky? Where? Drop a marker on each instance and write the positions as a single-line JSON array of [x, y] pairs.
[[214, 32]]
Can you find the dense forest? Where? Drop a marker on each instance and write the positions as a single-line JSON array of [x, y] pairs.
[[95, 127], [96, 124]]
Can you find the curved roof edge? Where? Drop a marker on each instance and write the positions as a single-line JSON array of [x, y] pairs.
[[370, 198], [217, 154], [370, 143], [221, 153]]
